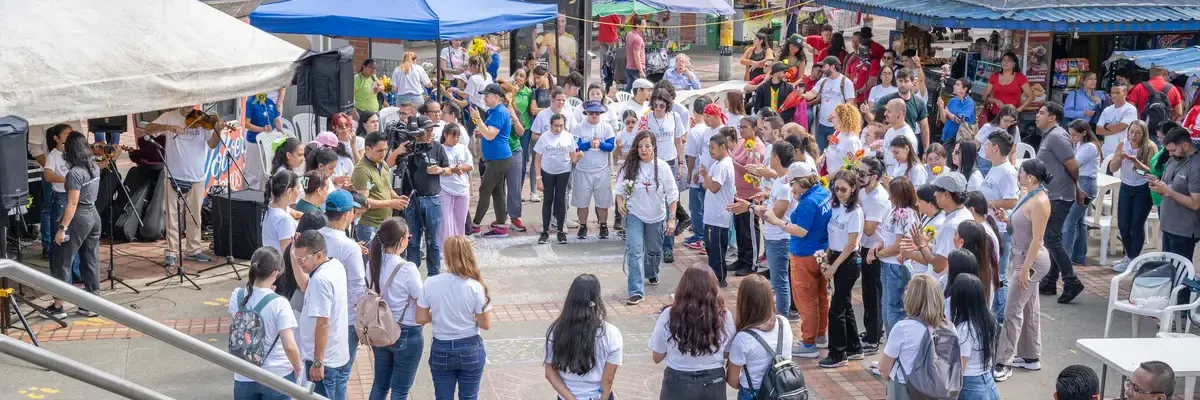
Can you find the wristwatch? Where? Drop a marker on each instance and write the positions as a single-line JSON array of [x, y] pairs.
[[62, 227], [318, 364]]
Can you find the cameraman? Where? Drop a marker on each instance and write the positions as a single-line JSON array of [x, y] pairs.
[[373, 179], [422, 170]]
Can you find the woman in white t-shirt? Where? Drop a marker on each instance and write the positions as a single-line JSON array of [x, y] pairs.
[[55, 172], [457, 304], [1087, 155], [278, 227], [844, 141], [456, 183], [935, 159], [978, 337], [963, 159], [748, 358], [583, 366], [923, 303], [884, 88], [647, 195], [282, 357], [691, 335], [399, 282], [628, 130], [553, 156], [409, 80], [779, 203], [845, 230], [908, 163], [897, 225], [1134, 201]]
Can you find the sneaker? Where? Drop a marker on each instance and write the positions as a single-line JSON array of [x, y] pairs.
[[1001, 372], [562, 237], [652, 281], [57, 312], [805, 351], [169, 262], [703, 251], [1070, 292], [634, 300], [694, 245], [534, 198], [668, 257], [497, 232], [518, 225], [793, 316], [603, 231], [1028, 364], [1049, 289], [723, 283], [870, 349], [762, 259], [85, 312], [822, 342], [830, 362], [682, 226], [1121, 265], [199, 257], [731, 256], [571, 224], [474, 230], [582, 232], [856, 356], [691, 239], [747, 270], [543, 238], [875, 368], [766, 273]]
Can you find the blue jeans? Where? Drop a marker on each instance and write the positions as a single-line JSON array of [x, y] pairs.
[[334, 384], [1074, 233], [513, 181], [983, 164], [642, 251], [696, 208], [1181, 245], [716, 242], [396, 365], [352, 341], [823, 133], [895, 279], [630, 76], [746, 394], [416, 99], [1133, 207], [668, 243], [364, 232], [52, 210], [425, 220], [457, 363], [981, 387], [778, 261], [998, 303], [256, 391]]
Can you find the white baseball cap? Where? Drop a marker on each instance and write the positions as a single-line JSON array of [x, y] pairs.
[[643, 83], [799, 170]]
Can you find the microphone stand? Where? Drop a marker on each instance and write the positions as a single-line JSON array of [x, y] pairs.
[[229, 212], [112, 278], [180, 207]]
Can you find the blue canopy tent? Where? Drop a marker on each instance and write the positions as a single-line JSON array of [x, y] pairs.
[[399, 19], [713, 7], [1036, 15], [1185, 61]]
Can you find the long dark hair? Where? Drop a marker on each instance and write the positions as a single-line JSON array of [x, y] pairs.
[[911, 159], [697, 316], [317, 156], [755, 304], [978, 204], [577, 327], [450, 129], [960, 262], [54, 131], [264, 262], [313, 181], [851, 178], [968, 152], [976, 240], [1006, 111], [391, 232], [837, 45], [280, 158], [286, 284], [969, 305], [77, 153], [363, 116], [1037, 169], [279, 183], [633, 162]]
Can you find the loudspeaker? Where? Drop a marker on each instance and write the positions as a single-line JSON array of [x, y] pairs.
[[246, 212], [325, 81], [14, 176], [117, 124]]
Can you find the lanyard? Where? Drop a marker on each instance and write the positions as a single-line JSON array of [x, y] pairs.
[[925, 224], [1022, 202]]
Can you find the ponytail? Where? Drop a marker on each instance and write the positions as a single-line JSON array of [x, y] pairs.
[[279, 159], [279, 184], [391, 232], [264, 262]]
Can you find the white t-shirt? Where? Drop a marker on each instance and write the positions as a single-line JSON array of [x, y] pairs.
[[968, 344], [410, 83], [988, 129], [848, 143], [187, 151], [1111, 115], [666, 130], [625, 140], [876, 206], [832, 95], [1001, 184], [649, 199], [277, 226], [747, 352], [454, 57], [594, 159], [340, 247], [918, 175], [454, 302], [1129, 175], [541, 123], [897, 224], [1088, 157], [903, 343], [458, 184], [556, 151], [697, 146], [975, 181], [475, 84], [277, 316], [879, 91], [781, 190], [841, 224], [715, 212], [405, 288], [888, 159], [326, 298], [56, 163], [943, 240], [660, 342], [609, 350]]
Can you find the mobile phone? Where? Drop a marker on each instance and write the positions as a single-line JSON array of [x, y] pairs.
[[413, 194]]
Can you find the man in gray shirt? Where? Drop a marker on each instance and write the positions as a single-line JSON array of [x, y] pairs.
[[1180, 190], [1058, 154]]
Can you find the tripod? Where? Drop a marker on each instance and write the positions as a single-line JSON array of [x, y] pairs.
[[229, 224], [112, 278]]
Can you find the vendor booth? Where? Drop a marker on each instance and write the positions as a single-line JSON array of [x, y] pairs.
[[660, 48]]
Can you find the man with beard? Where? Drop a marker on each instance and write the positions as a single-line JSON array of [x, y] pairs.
[[916, 113]]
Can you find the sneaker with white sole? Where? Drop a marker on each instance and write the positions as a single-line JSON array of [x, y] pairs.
[[1121, 265], [802, 350], [1001, 372], [1032, 365], [822, 342], [534, 198], [830, 362]]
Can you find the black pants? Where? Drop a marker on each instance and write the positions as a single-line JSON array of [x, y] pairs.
[[747, 230], [693, 385], [843, 330], [872, 293], [716, 243], [491, 188], [83, 239], [1060, 260], [555, 186], [1181, 245]]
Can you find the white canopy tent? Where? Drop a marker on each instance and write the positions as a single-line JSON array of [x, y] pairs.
[[78, 59]]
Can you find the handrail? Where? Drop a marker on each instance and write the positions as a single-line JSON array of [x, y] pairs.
[[83, 372], [62, 290]]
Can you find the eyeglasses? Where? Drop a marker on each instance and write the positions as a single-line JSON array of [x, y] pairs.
[[660, 105], [1133, 387], [305, 258], [842, 189]]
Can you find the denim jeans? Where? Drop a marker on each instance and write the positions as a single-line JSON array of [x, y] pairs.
[[396, 365], [777, 262], [668, 243], [983, 164], [823, 133], [52, 211], [895, 279], [696, 207], [333, 386], [1133, 207], [1074, 233], [1181, 245], [630, 76], [251, 390], [113, 138], [457, 363], [980, 387], [642, 251], [513, 182], [693, 385], [364, 232], [352, 341], [716, 242], [1060, 261], [746, 394], [425, 220], [1001, 298]]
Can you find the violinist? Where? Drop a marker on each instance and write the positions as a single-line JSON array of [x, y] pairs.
[[190, 134]]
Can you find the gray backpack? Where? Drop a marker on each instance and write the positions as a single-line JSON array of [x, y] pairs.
[[937, 371]]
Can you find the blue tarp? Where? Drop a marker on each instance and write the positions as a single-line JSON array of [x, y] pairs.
[[399, 19], [998, 14], [714, 7], [1185, 61]]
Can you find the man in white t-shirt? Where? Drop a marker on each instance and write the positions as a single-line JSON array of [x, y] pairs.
[[592, 177], [951, 194], [894, 114], [833, 89], [697, 156], [186, 151], [718, 180], [346, 251], [1001, 190], [875, 202], [1114, 121], [323, 339]]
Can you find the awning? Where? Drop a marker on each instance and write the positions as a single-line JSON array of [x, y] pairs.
[[622, 8], [714, 7], [1060, 16], [1185, 61], [399, 19]]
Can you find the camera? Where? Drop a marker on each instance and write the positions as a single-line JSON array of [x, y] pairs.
[[405, 133]]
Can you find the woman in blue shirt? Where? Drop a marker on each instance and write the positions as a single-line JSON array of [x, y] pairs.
[[961, 109], [1081, 103], [807, 225]]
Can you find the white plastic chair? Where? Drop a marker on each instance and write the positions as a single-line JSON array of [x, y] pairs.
[[304, 126], [1183, 270], [388, 114], [624, 97], [286, 126], [265, 153], [1025, 151], [574, 102]]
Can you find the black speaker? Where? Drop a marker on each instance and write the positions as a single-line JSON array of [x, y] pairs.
[[246, 214], [14, 176], [325, 81], [117, 124]]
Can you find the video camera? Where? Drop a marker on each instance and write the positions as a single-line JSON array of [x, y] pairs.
[[401, 133]]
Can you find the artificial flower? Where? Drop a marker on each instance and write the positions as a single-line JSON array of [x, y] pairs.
[[825, 181], [930, 231], [627, 185], [260, 98], [937, 169], [820, 256], [859, 153], [833, 140], [478, 48], [750, 145]]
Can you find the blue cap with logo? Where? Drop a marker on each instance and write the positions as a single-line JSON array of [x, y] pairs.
[[341, 201]]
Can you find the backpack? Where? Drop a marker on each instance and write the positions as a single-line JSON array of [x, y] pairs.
[[247, 331], [937, 373], [782, 379], [374, 324], [1152, 285], [1158, 106]]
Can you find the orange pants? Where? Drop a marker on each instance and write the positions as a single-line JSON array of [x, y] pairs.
[[810, 293]]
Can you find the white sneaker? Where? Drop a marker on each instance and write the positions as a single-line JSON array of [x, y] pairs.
[[1022, 364], [534, 198], [1121, 265], [571, 224]]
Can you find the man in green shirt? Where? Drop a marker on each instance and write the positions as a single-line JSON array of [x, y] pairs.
[[373, 179], [366, 88]]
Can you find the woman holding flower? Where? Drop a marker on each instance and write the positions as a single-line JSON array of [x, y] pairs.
[[646, 196], [845, 229], [409, 81], [845, 141], [749, 150]]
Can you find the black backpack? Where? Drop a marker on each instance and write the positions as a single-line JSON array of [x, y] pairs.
[[1158, 106], [783, 379]]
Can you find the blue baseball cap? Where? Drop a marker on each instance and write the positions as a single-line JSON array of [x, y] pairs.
[[594, 106], [341, 201]]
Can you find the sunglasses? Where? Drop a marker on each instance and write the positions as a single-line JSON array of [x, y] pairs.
[[660, 105], [842, 189]]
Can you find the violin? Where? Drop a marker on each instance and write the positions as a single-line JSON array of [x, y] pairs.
[[201, 119]]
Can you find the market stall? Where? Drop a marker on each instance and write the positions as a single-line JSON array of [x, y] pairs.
[[660, 49]]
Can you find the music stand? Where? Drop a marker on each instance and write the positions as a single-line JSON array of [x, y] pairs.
[[228, 214]]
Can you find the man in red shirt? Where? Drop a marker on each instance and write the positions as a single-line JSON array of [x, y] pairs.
[[608, 30], [1158, 80], [817, 43], [635, 52]]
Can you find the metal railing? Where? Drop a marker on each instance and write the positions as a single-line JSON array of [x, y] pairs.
[[66, 366]]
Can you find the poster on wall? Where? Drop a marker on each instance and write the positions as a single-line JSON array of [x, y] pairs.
[[218, 168], [1037, 64], [559, 44]]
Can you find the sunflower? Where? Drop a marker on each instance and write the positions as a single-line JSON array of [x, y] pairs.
[[937, 169], [750, 145], [825, 181], [930, 231]]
